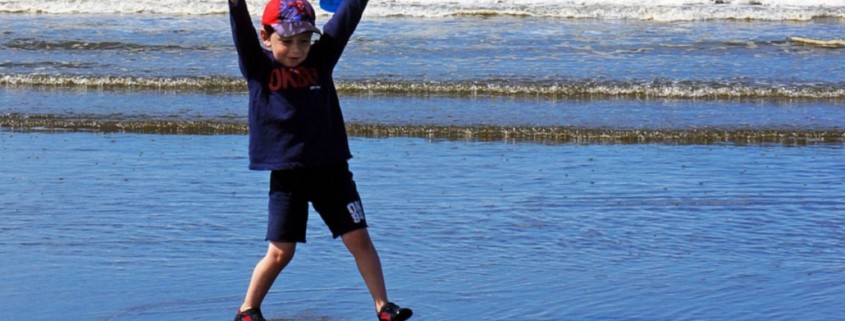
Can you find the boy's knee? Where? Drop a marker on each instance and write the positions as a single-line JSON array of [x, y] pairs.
[[358, 240], [281, 253]]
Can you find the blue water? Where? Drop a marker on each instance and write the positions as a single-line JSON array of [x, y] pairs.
[[441, 49], [121, 226], [141, 227], [440, 110]]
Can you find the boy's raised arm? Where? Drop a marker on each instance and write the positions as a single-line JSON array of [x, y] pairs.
[[244, 35], [345, 19], [343, 23]]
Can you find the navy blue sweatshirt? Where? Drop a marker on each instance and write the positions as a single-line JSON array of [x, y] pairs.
[[294, 113]]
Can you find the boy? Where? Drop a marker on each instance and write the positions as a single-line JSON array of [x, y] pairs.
[[296, 131]]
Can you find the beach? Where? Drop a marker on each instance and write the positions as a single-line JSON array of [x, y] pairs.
[[517, 160]]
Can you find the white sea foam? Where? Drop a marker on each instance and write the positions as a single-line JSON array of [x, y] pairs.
[[661, 10], [706, 89]]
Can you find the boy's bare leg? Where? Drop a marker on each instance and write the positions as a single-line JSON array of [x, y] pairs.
[[358, 243], [279, 254]]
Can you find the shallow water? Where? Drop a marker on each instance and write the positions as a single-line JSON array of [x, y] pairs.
[[140, 227], [109, 224], [505, 50], [444, 110]]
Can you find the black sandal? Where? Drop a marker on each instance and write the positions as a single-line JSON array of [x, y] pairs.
[[252, 314], [392, 312]]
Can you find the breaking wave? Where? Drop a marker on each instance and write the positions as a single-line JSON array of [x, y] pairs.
[[36, 44], [660, 10], [548, 89]]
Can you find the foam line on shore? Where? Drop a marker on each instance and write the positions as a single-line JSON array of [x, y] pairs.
[[714, 89], [544, 134]]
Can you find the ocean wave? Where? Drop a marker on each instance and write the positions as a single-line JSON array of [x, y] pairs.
[[709, 89], [187, 84], [660, 10], [548, 89], [38, 44], [537, 134], [51, 64]]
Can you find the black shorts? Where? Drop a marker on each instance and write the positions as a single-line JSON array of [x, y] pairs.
[[330, 190]]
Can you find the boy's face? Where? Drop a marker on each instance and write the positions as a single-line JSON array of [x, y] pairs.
[[289, 51]]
